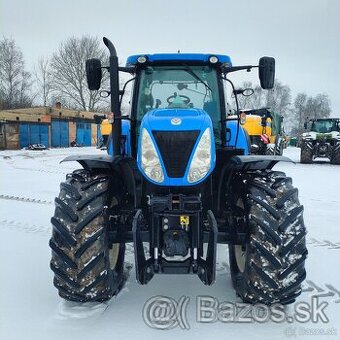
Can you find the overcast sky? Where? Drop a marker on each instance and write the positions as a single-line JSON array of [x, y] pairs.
[[303, 35]]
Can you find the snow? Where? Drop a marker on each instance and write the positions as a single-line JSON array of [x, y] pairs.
[[31, 308]]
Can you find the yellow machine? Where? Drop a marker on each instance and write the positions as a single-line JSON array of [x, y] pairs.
[[105, 129], [265, 131], [255, 126]]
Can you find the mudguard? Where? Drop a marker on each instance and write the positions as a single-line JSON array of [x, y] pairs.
[[123, 166], [245, 163], [90, 162], [254, 162]]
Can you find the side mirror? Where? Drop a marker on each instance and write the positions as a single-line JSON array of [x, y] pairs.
[[98, 119], [93, 74], [247, 92], [267, 72], [158, 103], [243, 118], [254, 148], [305, 124]]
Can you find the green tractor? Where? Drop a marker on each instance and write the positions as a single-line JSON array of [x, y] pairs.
[[178, 180], [321, 141]]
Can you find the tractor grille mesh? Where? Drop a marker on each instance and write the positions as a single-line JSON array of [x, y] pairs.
[[175, 148]]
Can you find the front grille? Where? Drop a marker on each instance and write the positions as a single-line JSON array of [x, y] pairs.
[[176, 148]]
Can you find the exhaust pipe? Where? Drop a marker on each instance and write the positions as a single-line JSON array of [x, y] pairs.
[[114, 89]]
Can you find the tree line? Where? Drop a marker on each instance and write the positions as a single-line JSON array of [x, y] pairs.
[[295, 111], [62, 78]]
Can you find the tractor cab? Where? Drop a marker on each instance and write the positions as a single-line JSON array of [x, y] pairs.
[[177, 104], [325, 125], [179, 84]]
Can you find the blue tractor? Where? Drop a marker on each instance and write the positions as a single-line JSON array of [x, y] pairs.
[[177, 181]]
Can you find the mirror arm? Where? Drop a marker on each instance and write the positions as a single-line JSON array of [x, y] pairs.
[[131, 70], [239, 91], [238, 68]]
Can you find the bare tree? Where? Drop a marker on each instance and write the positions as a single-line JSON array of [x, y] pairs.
[[277, 99], [318, 106], [26, 97], [68, 72], [15, 82], [43, 78], [299, 112]]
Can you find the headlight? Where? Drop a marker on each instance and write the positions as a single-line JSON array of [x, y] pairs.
[[201, 161], [150, 160]]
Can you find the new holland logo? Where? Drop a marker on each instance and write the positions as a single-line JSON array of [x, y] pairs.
[[176, 121]]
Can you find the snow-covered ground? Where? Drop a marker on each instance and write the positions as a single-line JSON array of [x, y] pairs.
[[31, 308]]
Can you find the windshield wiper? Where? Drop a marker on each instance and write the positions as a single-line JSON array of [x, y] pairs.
[[191, 72]]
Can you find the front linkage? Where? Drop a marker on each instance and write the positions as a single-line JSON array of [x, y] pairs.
[[175, 230]]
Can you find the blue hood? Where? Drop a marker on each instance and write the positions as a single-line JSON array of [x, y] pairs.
[[165, 119], [177, 120]]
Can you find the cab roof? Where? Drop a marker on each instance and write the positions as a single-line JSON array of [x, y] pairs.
[[256, 111], [178, 57]]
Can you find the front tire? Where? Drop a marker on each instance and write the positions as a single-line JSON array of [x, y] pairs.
[[269, 266], [336, 154], [270, 149], [86, 266], [306, 156], [279, 146]]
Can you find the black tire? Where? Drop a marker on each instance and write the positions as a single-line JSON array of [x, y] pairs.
[[270, 266], [306, 156], [86, 267], [279, 148], [270, 150], [336, 154]]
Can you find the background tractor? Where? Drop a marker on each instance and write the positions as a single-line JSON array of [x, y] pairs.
[[322, 140], [178, 179], [265, 130]]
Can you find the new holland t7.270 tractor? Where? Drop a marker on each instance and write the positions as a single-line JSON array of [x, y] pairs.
[[177, 181], [323, 140]]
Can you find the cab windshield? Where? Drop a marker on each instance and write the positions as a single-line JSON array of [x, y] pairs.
[[179, 87], [323, 126]]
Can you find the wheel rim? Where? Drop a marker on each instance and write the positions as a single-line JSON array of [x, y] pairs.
[[114, 250], [113, 255], [240, 253], [240, 256]]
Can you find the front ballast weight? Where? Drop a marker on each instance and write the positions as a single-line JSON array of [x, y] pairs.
[[175, 240]]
